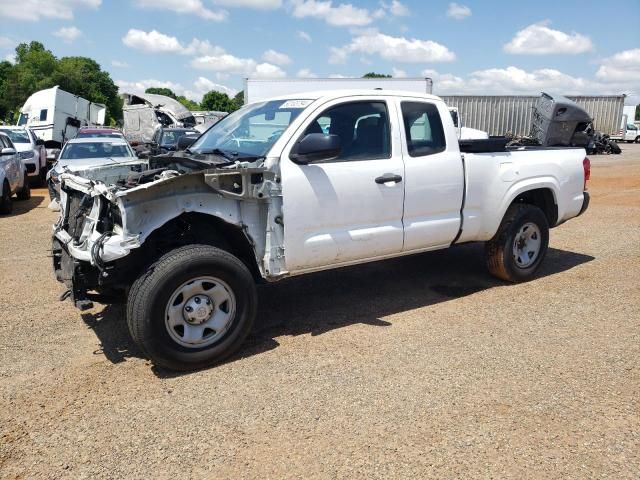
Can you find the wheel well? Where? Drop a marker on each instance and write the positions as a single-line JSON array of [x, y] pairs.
[[185, 229], [543, 199], [193, 227]]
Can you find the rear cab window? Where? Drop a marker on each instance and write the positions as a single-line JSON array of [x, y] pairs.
[[423, 128]]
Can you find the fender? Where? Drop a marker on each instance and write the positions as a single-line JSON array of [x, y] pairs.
[[518, 188]]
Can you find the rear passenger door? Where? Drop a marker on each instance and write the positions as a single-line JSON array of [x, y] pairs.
[[342, 211], [434, 181]]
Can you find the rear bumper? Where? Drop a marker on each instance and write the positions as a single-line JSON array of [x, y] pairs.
[[585, 203]]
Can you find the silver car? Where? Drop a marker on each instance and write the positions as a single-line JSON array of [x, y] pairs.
[[82, 155]]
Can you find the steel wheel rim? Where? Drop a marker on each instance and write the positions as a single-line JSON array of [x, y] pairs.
[[526, 245], [200, 311]]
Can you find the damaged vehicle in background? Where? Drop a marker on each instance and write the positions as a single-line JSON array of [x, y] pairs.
[[145, 113], [295, 185], [166, 140], [31, 150]]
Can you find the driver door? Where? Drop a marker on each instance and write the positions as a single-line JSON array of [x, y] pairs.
[[342, 211]]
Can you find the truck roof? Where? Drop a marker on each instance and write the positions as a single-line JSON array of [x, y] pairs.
[[331, 94]]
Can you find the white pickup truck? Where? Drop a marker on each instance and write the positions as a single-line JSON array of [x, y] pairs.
[[294, 185]]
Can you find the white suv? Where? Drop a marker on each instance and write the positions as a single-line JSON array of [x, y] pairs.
[[30, 149]]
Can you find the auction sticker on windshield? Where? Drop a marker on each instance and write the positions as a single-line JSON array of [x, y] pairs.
[[295, 104]]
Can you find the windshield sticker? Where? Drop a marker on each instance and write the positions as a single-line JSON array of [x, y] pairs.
[[295, 104]]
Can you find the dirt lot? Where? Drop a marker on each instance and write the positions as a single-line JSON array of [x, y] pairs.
[[418, 367]]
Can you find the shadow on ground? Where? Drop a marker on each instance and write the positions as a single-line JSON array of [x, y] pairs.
[[20, 207], [317, 303]]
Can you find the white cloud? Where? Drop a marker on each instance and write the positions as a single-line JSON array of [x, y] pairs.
[[398, 49], [459, 12], [202, 47], [398, 73], [152, 42], [203, 85], [119, 64], [34, 10], [539, 39], [341, 15], [199, 87], [276, 58], [257, 4], [266, 70], [11, 58], [516, 81], [304, 36], [68, 34], [395, 8], [305, 73], [227, 63], [193, 7], [623, 67], [141, 85]]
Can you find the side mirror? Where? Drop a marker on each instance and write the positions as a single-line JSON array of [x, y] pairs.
[[316, 147], [186, 141], [8, 151]]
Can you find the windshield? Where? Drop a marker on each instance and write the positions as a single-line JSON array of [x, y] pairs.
[[252, 130], [17, 136], [171, 137], [95, 150], [23, 119]]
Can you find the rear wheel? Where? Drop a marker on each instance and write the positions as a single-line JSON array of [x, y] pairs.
[[6, 205], [518, 248], [614, 147], [192, 308]]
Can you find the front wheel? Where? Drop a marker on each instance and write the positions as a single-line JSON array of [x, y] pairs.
[[192, 308], [6, 205], [24, 193], [518, 248]]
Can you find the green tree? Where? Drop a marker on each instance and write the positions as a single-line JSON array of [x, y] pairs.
[[238, 100], [167, 92], [375, 75], [637, 112], [190, 104], [37, 68], [218, 101]]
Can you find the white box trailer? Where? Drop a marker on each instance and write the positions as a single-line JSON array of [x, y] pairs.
[[55, 116], [256, 89], [501, 114], [629, 131]]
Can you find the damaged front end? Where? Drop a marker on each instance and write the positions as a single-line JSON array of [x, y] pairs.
[[108, 233]]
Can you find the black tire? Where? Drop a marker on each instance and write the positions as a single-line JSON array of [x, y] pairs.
[[637, 139], [501, 260], [150, 294], [6, 204], [615, 148], [25, 192]]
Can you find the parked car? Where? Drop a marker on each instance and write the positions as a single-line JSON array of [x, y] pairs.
[[31, 150], [166, 139], [13, 175], [94, 132], [266, 194], [83, 155]]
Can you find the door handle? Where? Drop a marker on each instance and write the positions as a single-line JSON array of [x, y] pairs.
[[388, 177]]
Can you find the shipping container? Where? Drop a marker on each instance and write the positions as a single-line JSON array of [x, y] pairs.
[[501, 114]]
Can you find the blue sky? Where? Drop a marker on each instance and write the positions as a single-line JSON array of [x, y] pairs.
[[193, 46]]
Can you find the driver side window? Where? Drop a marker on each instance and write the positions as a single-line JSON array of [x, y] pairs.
[[363, 128]]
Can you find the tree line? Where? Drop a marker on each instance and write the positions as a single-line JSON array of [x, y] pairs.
[[36, 68]]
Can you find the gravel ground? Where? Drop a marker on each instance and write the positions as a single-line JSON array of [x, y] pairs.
[[418, 367]]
